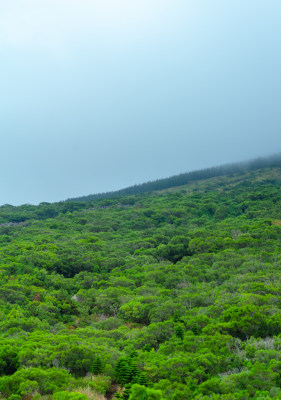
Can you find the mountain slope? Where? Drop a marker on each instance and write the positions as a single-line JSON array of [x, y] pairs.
[[167, 295], [190, 177]]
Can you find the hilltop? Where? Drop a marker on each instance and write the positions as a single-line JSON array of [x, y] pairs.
[[168, 294]]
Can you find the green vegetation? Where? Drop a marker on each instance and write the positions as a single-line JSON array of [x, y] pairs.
[[170, 295], [189, 177]]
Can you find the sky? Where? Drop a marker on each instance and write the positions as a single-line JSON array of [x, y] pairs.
[[98, 95]]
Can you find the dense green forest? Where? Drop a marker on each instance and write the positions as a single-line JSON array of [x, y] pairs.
[[167, 295]]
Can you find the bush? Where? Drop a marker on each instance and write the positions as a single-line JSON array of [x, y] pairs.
[[15, 397], [69, 396], [100, 384]]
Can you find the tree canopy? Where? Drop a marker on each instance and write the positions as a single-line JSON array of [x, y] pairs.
[[166, 295]]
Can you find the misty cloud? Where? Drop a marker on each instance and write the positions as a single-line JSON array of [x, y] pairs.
[[99, 95]]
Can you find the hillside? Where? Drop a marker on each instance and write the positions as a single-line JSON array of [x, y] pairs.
[[171, 295], [190, 177]]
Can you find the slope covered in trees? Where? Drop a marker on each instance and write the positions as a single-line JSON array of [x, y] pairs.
[[171, 295], [189, 177]]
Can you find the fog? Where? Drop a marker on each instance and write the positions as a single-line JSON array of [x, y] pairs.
[[97, 95]]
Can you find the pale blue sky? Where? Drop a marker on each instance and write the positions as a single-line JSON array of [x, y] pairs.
[[97, 95]]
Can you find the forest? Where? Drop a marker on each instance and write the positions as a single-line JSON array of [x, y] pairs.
[[172, 293]]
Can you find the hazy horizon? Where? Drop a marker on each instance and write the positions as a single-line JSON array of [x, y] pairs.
[[269, 156], [100, 95]]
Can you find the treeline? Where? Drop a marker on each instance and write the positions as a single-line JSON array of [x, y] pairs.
[[10, 214], [188, 177]]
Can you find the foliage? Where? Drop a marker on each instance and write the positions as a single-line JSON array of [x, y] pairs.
[[167, 295]]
